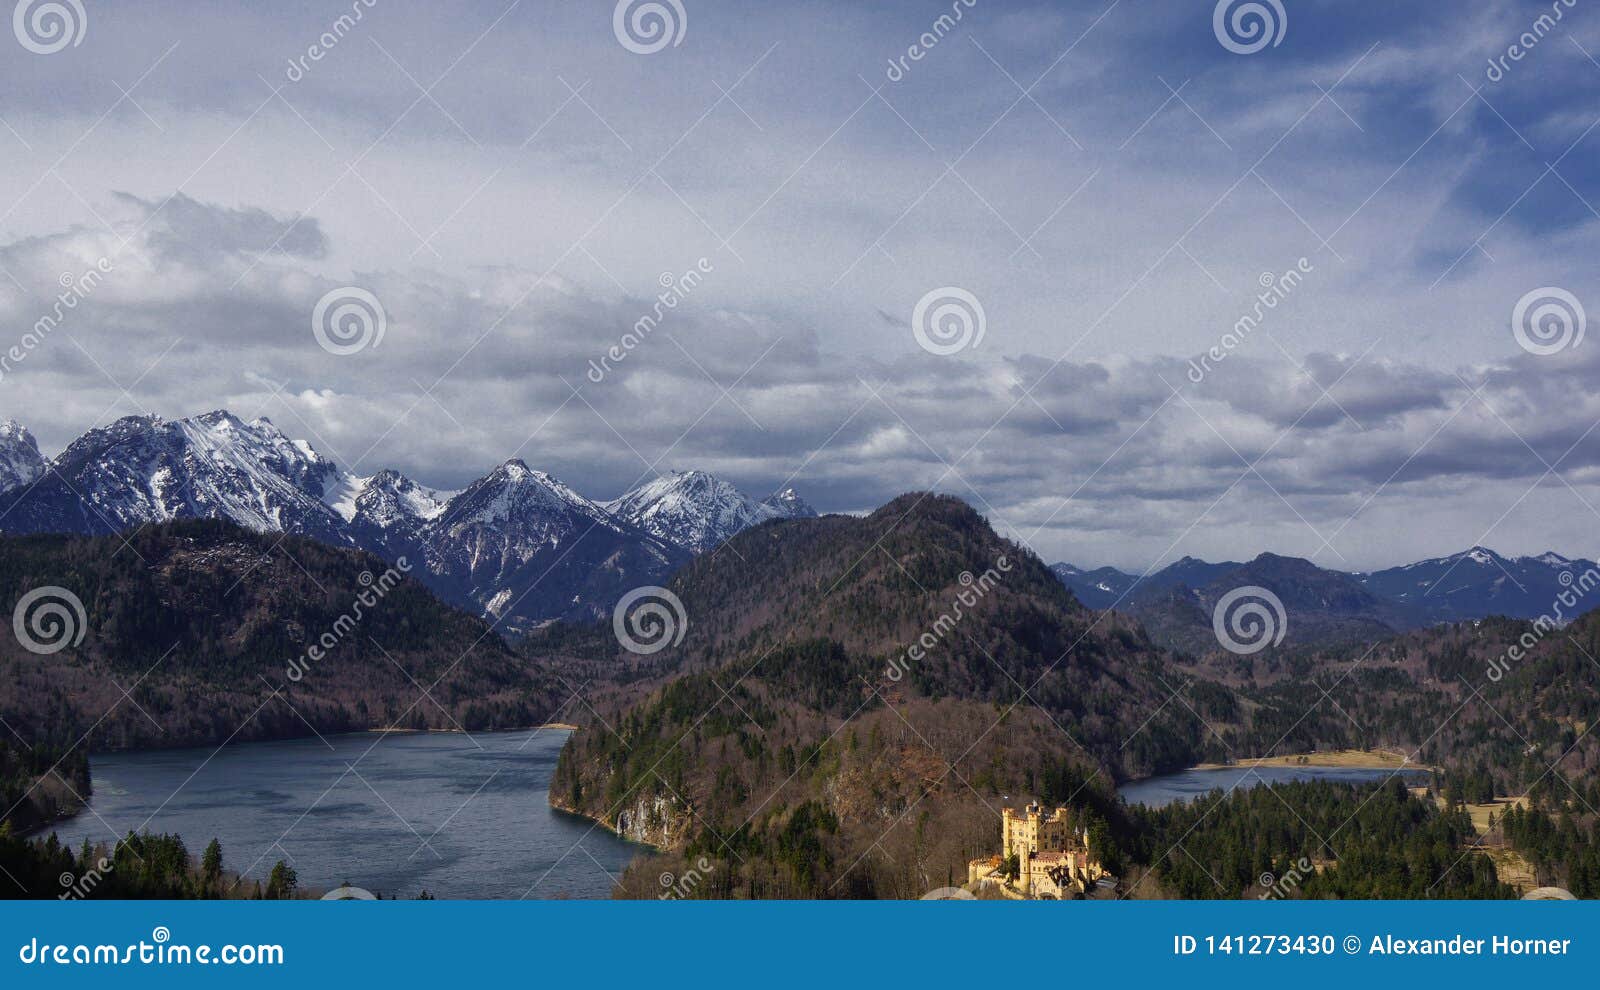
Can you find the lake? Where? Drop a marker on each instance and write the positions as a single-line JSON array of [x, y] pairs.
[[1190, 784], [459, 816]]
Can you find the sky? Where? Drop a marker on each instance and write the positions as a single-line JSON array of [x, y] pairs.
[[1004, 255]]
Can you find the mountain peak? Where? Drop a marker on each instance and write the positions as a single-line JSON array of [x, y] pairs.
[[694, 510], [20, 461], [789, 505]]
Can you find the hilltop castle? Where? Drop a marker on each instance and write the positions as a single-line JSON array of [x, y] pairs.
[[1052, 856]]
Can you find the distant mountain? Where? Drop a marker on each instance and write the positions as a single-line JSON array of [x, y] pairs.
[[516, 545], [694, 510], [1327, 606], [1479, 582], [1104, 587]]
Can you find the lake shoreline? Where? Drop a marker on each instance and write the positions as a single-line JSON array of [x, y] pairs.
[[1339, 759]]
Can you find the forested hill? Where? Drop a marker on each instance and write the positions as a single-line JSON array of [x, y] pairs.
[[804, 724], [202, 622]]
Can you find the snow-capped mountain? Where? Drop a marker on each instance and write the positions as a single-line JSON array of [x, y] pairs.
[[517, 545], [694, 510], [20, 461], [1478, 582], [789, 505], [523, 547], [143, 469], [388, 512]]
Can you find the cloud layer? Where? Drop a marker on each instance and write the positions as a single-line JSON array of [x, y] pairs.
[[1118, 191]]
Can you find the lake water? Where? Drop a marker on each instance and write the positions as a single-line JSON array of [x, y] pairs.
[[1190, 784], [459, 816]]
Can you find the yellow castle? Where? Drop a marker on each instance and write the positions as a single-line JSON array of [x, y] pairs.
[[1052, 854]]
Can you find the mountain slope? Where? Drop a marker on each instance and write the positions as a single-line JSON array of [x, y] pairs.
[[844, 680], [209, 627]]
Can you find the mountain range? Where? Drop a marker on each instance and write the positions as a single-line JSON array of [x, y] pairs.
[[1326, 606], [517, 546]]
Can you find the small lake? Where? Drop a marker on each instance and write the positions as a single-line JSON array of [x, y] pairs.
[[1187, 785], [458, 816]]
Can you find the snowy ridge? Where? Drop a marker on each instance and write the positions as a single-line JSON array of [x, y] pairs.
[[517, 544], [691, 509]]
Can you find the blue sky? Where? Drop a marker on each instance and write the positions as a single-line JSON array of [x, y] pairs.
[[1107, 179]]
